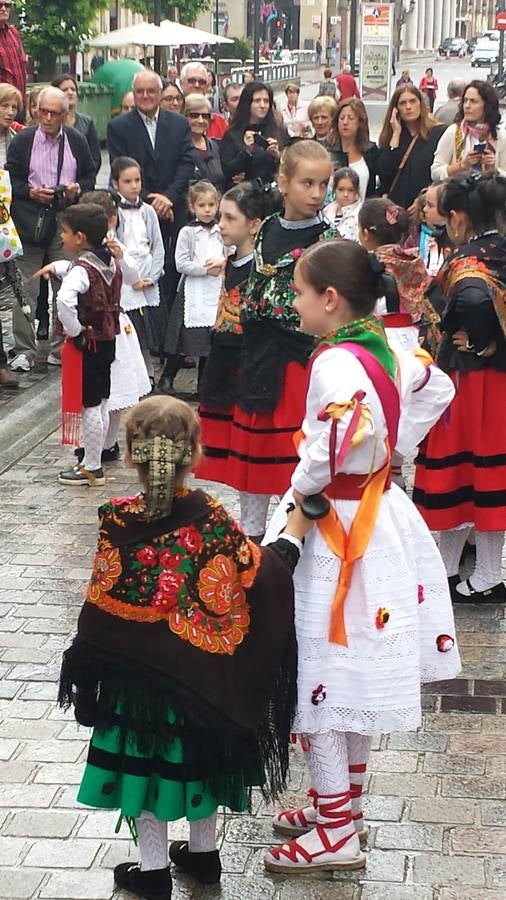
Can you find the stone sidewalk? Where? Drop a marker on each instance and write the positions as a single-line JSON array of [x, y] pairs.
[[436, 799]]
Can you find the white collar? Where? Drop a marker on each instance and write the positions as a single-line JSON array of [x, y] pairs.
[[148, 120]]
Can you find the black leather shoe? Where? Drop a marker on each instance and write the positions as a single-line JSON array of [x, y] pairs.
[[205, 867], [107, 455], [495, 594], [166, 384], [155, 885]]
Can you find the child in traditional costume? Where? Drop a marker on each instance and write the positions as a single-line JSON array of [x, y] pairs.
[[383, 227], [460, 478], [372, 609], [129, 376], [242, 210], [343, 212], [88, 305], [138, 229], [200, 259], [184, 661], [270, 390]]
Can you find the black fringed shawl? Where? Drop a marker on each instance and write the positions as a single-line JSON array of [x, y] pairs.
[[186, 612]]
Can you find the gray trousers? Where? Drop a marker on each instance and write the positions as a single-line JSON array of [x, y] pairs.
[[23, 329]]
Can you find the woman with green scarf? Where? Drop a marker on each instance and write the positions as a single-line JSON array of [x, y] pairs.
[[372, 609]]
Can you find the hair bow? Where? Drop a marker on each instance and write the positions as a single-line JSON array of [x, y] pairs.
[[392, 214]]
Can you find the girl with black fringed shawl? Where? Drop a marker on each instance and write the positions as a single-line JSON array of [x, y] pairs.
[[184, 660]]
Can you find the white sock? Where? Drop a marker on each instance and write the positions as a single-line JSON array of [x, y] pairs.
[[487, 571], [152, 842], [451, 545], [112, 431], [358, 747], [327, 760], [254, 510], [93, 437], [203, 834]]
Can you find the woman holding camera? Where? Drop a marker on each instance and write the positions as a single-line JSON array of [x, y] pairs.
[[476, 140], [252, 145]]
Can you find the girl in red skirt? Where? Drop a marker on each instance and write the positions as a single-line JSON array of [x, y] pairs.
[[461, 471], [271, 385], [242, 210]]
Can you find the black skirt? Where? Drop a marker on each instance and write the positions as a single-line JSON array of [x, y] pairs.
[[183, 341]]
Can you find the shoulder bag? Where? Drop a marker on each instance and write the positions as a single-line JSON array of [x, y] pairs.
[[401, 165]]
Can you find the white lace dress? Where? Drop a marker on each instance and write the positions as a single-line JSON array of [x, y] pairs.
[[373, 685]]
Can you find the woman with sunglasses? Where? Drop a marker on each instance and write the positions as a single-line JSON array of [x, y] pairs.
[[206, 150], [253, 143]]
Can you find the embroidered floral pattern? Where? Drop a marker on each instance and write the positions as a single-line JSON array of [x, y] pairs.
[[106, 571], [444, 643], [229, 311], [319, 694], [194, 578], [382, 617]]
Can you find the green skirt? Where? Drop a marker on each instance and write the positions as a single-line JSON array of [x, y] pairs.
[[118, 777]]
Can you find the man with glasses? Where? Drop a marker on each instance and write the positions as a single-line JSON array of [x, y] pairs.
[[12, 52], [39, 159], [194, 80]]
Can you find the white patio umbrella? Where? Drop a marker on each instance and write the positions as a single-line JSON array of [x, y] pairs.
[[168, 34], [182, 34]]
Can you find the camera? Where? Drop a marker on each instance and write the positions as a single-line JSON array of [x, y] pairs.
[[59, 199], [261, 141]]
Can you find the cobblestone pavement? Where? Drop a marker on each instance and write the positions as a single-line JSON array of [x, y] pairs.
[[436, 799]]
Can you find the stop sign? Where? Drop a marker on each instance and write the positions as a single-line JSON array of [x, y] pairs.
[[500, 21]]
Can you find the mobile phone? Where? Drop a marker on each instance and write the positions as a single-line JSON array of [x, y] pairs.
[[480, 148], [260, 140]]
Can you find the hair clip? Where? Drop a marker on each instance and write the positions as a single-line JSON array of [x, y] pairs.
[[392, 214]]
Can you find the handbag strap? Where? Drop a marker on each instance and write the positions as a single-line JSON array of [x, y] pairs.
[[61, 153], [403, 163]]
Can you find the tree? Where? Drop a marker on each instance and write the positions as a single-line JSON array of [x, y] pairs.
[[189, 10], [53, 27]]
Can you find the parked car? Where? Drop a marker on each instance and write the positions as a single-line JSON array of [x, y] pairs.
[[492, 35], [458, 47], [444, 46], [486, 53]]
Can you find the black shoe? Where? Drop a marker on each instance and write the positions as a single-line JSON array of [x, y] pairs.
[[107, 455], [188, 363], [77, 477], [155, 885], [166, 383], [43, 330], [205, 867], [495, 594]]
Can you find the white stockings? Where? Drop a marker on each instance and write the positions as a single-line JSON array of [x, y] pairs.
[[254, 509], [203, 835], [112, 431], [95, 422], [487, 571], [152, 842], [451, 545], [359, 747]]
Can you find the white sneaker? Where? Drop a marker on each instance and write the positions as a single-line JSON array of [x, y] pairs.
[[53, 360], [21, 363]]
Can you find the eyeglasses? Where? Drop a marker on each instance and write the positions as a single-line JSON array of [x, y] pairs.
[[195, 115], [53, 114], [200, 81], [4, 5]]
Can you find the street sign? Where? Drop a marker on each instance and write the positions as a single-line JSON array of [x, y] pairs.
[[376, 52], [500, 21]]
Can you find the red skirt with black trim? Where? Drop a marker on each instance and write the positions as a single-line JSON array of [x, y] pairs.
[[254, 452], [460, 472]]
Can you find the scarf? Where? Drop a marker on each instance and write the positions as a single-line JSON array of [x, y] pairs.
[[479, 132], [185, 612], [370, 334], [483, 257], [410, 274]]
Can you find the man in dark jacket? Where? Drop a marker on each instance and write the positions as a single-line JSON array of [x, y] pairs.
[[40, 159], [161, 143]]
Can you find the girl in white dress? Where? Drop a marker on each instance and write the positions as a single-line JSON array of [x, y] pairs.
[[373, 613], [343, 212]]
